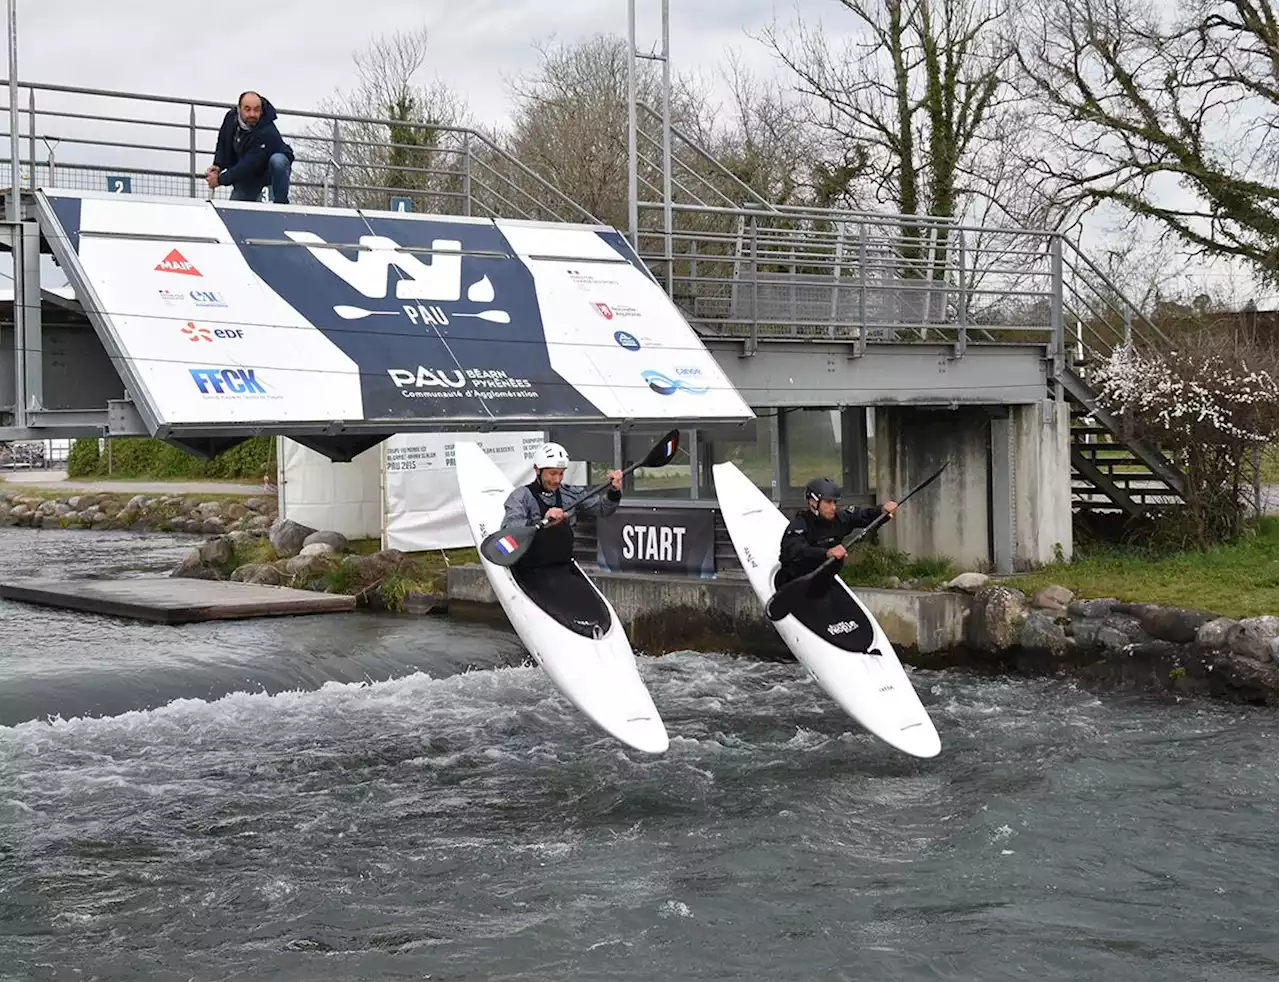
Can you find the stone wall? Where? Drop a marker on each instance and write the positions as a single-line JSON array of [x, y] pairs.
[[1149, 645], [137, 513]]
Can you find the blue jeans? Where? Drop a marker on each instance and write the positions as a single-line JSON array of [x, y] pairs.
[[278, 168]]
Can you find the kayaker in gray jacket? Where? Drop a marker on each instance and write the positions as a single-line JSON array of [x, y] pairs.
[[547, 495]]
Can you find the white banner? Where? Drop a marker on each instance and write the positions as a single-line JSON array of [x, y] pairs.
[[424, 509]]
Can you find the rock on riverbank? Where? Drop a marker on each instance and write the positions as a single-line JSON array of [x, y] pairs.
[[287, 553], [1108, 640], [137, 513]]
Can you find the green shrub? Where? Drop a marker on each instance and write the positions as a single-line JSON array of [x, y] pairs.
[[155, 459], [82, 461]]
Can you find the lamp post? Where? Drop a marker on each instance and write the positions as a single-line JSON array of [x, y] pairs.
[[15, 210]]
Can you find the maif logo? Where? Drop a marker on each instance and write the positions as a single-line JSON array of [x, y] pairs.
[[227, 381], [626, 340], [176, 262], [368, 273]]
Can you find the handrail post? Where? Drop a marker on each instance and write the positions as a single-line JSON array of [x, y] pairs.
[[191, 129], [1057, 334], [962, 299], [860, 346], [337, 164], [31, 133], [754, 338], [466, 174]]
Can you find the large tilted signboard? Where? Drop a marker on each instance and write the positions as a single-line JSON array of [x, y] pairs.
[[244, 312]]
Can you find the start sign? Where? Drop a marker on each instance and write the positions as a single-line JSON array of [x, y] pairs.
[[677, 541]]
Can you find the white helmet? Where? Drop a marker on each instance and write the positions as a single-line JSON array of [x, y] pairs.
[[551, 455]]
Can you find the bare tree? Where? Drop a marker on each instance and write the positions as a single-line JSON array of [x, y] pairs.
[[907, 103], [570, 121], [763, 138], [1173, 120], [396, 140]]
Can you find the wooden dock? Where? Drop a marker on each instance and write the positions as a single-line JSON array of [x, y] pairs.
[[170, 600]]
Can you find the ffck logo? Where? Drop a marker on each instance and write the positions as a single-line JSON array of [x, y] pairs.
[[176, 262], [368, 274], [227, 381]]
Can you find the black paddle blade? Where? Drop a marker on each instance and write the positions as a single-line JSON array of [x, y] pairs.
[[662, 452], [505, 546]]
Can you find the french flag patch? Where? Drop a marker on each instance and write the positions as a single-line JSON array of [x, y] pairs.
[[670, 448], [507, 544]]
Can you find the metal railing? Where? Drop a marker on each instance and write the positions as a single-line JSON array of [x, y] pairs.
[[739, 266], [799, 273], [100, 139]]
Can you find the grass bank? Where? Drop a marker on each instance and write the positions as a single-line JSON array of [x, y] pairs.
[[1237, 579], [420, 572]]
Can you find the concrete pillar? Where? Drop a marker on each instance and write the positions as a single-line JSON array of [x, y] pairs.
[[853, 441], [951, 516], [1042, 482]]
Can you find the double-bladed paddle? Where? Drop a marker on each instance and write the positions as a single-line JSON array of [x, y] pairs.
[[505, 546], [784, 600]]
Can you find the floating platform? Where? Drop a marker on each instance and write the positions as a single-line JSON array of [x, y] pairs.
[[175, 600]]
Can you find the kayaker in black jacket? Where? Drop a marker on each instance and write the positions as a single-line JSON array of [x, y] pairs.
[[816, 532]]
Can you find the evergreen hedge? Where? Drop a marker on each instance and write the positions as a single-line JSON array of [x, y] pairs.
[[155, 459]]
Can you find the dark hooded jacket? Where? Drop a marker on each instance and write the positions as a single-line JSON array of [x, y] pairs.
[[242, 154], [808, 537]]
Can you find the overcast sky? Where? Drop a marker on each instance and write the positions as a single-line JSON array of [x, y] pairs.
[[298, 51]]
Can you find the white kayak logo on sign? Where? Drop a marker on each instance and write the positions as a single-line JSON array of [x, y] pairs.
[[440, 280]]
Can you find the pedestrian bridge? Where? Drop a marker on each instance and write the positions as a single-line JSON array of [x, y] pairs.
[[453, 288]]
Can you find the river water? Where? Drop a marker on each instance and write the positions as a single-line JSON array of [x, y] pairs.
[[360, 797]]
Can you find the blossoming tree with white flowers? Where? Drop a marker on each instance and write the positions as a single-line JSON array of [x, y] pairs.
[[1208, 405]]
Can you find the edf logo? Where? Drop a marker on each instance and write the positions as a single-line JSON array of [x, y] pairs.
[[220, 381]]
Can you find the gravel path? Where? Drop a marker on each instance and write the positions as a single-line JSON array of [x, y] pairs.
[[58, 480]]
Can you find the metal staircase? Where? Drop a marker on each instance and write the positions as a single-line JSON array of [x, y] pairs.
[[1113, 470]]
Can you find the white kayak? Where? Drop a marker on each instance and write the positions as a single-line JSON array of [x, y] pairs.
[[838, 641], [570, 628]]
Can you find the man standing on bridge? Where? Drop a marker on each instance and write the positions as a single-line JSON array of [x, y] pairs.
[[815, 533], [251, 153]]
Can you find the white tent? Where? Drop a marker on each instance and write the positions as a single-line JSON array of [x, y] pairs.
[[402, 491]]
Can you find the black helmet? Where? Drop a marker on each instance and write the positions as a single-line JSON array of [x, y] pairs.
[[820, 488]]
